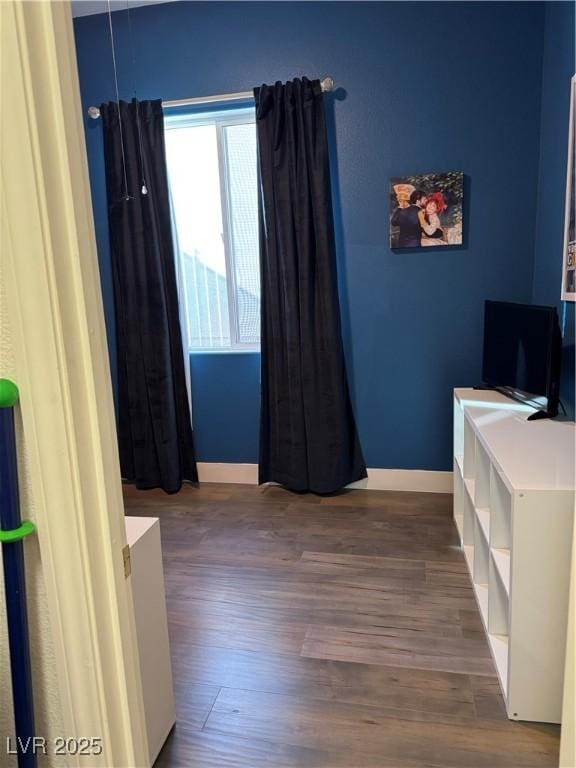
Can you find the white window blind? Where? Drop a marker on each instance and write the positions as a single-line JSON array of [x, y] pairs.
[[211, 160]]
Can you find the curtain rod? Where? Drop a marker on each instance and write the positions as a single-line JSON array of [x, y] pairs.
[[327, 84]]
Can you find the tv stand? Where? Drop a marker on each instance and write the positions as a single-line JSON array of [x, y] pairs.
[[514, 511]]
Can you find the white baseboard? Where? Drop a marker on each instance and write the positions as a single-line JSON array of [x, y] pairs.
[[378, 479], [212, 472], [422, 480]]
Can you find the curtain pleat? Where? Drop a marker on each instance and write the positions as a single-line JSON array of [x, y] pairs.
[[308, 436], [154, 429]]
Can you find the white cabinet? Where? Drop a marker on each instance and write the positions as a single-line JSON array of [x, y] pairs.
[[514, 510], [143, 537]]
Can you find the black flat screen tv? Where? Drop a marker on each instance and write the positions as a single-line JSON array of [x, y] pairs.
[[522, 349]]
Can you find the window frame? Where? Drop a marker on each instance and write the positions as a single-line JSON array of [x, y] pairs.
[[221, 118]]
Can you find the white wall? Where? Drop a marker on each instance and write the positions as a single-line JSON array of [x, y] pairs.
[[568, 740]]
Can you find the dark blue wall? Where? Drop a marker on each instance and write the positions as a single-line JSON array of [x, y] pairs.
[[226, 406], [423, 87], [558, 68]]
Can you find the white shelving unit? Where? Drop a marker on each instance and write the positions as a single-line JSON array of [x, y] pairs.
[[514, 510]]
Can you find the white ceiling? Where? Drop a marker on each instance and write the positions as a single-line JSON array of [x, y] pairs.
[[90, 7]]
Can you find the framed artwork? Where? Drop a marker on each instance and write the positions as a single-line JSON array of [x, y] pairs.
[[569, 264], [426, 210]]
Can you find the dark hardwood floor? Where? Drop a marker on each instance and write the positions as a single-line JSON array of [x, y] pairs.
[[335, 632]]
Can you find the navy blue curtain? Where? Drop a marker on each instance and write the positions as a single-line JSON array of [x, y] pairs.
[[308, 436], [154, 428]]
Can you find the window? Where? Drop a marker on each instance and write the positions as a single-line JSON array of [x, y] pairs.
[[211, 161]]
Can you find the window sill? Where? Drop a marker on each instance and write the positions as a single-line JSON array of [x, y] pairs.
[[226, 351]]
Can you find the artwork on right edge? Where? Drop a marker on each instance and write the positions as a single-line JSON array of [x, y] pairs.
[[426, 210], [569, 265]]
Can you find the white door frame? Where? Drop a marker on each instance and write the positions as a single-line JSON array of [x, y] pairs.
[[61, 359]]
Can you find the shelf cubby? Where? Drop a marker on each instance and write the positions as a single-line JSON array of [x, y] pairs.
[[469, 458], [483, 518], [481, 554], [498, 612], [468, 518], [482, 478], [501, 511], [499, 645], [458, 436], [458, 500], [501, 560]]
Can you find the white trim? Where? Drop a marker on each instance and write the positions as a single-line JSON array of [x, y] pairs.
[[229, 254], [423, 480], [93, 7], [569, 180], [182, 305], [209, 472], [378, 479], [62, 370], [239, 349]]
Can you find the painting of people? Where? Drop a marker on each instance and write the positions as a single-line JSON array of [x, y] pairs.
[[426, 210]]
